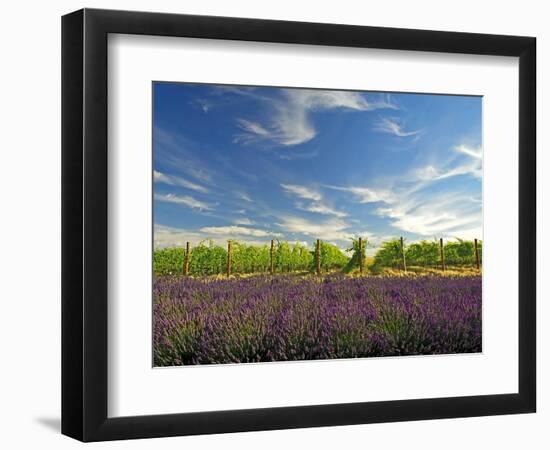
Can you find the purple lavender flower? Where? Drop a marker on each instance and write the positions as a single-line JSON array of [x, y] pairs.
[[288, 318]]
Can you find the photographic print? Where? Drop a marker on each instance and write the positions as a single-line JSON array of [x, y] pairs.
[[296, 224]]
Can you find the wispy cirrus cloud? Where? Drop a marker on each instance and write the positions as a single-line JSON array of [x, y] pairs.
[[433, 173], [330, 230], [167, 236], [185, 200], [243, 221], [413, 205], [302, 192], [392, 126], [470, 165], [177, 152], [432, 190], [442, 215], [244, 196], [474, 152], [364, 194], [321, 208], [317, 204], [173, 180], [291, 123], [235, 230], [254, 129]]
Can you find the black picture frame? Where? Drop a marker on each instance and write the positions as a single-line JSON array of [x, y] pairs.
[[84, 224]]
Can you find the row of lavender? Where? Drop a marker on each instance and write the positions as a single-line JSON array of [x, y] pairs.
[[303, 318]]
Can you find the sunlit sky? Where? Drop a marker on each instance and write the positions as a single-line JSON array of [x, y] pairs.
[[261, 163]]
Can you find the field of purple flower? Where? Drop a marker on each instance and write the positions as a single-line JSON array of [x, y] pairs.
[[288, 318]]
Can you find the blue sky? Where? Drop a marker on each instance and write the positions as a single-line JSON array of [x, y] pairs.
[[262, 163]]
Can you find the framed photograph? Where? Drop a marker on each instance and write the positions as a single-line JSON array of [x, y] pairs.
[[273, 224]]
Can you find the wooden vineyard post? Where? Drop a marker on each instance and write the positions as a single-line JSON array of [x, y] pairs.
[[228, 258], [361, 262], [442, 254], [186, 263], [477, 253], [318, 256], [271, 255], [403, 262]]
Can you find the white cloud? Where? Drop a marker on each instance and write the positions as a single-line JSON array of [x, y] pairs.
[[473, 152], [302, 192], [321, 208], [431, 173], [173, 180], [311, 99], [291, 122], [413, 205], [391, 126], [471, 165], [165, 236], [367, 194], [316, 205], [244, 196], [444, 214], [243, 221], [427, 173], [253, 128], [245, 91], [186, 200], [428, 222], [233, 230], [333, 229]]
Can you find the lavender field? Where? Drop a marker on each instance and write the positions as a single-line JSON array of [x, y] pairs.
[[292, 317]]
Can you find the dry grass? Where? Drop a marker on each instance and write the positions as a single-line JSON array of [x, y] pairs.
[[464, 271]]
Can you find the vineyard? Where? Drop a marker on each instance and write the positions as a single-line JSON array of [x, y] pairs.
[[207, 258], [428, 254]]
